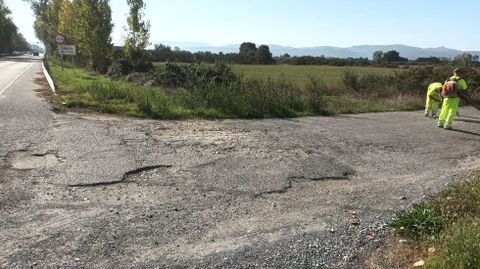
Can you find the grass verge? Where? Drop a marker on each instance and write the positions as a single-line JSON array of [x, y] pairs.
[[233, 97], [443, 232]]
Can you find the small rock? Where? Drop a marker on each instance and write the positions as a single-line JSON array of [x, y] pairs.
[[354, 221], [420, 263], [403, 198], [370, 237], [432, 250], [332, 230], [402, 241]]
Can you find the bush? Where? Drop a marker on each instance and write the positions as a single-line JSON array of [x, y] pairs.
[[192, 75], [316, 90], [119, 68], [351, 80], [421, 220]]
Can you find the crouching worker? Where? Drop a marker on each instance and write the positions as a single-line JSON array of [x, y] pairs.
[[453, 87], [433, 99]]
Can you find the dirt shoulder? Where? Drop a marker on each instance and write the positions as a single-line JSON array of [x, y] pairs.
[[109, 192]]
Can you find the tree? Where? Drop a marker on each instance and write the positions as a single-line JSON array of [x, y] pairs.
[[248, 49], [263, 55], [10, 38], [93, 28], [464, 59], [247, 52], [85, 24], [393, 56], [47, 21], [138, 34], [378, 56]]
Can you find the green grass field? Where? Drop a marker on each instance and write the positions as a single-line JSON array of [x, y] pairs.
[[301, 74]]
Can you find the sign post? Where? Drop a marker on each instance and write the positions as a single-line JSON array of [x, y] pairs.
[[68, 50], [60, 39]]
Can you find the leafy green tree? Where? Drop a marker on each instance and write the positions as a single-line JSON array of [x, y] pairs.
[[46, 21], [6, 29], [378, 56], [248, 49], [20, 43], [247, 53], [86, 24], [93, 30], [138, 35], [263, 55], [393, 56], [10, 38], [465, 59]]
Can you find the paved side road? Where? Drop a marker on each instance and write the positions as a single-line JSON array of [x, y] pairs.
[[94, 191]]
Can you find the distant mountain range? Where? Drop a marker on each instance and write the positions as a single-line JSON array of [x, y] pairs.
[[365, 51]]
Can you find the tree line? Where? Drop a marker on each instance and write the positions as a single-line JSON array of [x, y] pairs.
[[87, 24], [10, 39], [248, 54]]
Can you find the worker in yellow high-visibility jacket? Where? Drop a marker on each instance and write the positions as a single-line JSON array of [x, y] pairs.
[[450, 98], [433, 99]]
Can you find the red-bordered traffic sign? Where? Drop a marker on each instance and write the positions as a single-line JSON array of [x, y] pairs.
[[59, 38]]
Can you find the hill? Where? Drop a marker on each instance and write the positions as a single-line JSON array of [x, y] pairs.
[[365, 51]]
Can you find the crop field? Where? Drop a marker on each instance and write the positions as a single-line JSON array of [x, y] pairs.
[[301, 74]]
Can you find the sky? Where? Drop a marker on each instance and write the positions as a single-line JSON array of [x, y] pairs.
[[298, 23]]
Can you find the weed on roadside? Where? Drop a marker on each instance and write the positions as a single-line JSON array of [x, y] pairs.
[[445, 229]]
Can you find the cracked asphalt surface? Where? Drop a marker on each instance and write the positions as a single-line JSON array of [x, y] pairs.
[[97, 191]]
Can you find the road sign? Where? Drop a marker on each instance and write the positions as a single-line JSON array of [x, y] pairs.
[[67, 50], [59, 39]]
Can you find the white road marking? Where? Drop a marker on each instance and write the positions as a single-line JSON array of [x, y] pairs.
[[15, 79]]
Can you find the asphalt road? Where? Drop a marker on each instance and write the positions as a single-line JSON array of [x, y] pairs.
[[95, 191]]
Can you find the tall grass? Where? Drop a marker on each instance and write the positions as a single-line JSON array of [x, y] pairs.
[[216, 91], [450, 222], [195, 91]]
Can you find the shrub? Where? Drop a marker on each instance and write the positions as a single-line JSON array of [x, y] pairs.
[[119, 68], [351, 80], [316, 90], [421, 220], [192, 75]]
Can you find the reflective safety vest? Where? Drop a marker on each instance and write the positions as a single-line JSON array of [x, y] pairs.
[[434, 90]]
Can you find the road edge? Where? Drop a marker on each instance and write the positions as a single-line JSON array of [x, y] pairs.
[[48, 77]]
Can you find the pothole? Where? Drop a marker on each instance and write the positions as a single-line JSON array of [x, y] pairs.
[[24, 160]]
